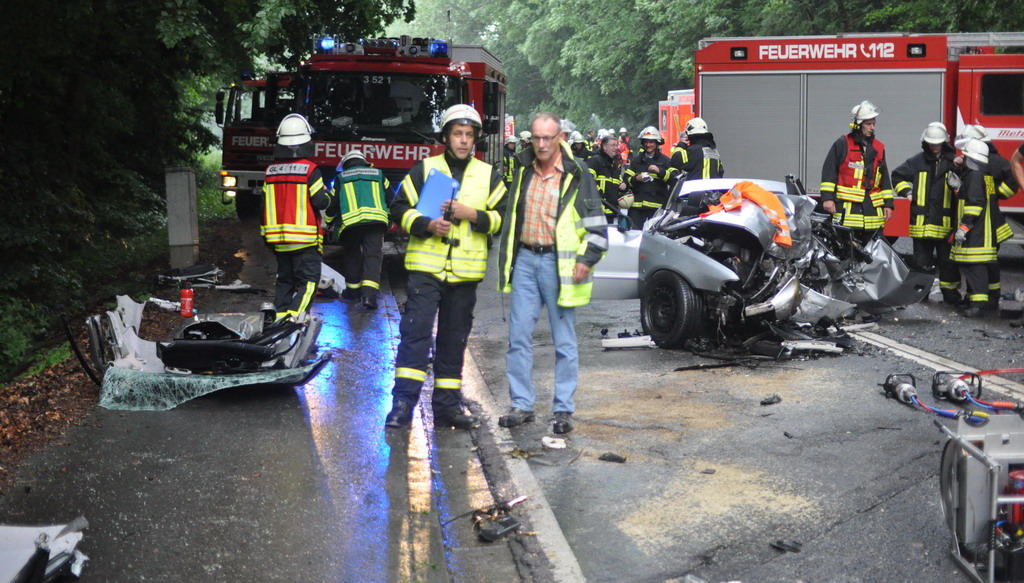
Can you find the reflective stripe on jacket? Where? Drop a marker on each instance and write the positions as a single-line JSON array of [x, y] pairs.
[[581, 231], [362, 196], [289, 220], [852, 186], [462, 255], [978, 208], [922, 177]]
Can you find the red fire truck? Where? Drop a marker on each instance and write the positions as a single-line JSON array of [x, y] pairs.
[[383, 97], [673, 113], [776, 104]]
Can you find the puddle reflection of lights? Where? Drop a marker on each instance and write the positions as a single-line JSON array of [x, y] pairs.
[[382, 493]]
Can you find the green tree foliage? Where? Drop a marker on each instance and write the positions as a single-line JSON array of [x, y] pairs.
[[98, 97], [607, 63]]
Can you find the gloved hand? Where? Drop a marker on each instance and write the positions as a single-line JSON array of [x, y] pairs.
[[960, 236], [625, 201], [953, 180]]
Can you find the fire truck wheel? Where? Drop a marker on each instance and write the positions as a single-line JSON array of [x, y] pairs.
[[670, 310]]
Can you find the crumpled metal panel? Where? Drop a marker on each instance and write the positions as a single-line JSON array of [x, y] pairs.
[[883, 283], [816, 306]]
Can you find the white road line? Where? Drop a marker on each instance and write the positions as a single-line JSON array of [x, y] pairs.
[[934, 361], [565, 566]]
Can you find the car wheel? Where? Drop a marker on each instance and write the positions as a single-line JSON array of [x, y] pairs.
[[670, 311]]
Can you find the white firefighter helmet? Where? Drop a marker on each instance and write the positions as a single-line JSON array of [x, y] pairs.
[[978, 132], [651, 133], [623, 130], [977, 151], [935, 133], [696, 126], [352, 155], [510, 140], [864, 111], [294, 130], [567, 126], [524, 136], [602, 134], [460, 114], [576, 138]]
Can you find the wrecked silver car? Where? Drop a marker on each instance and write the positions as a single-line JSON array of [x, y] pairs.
[[208, 352], [712, 260]]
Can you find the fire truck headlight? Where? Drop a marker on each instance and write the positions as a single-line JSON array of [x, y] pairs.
[[230, 193], [327, 44], [438, 48], [228, 181]]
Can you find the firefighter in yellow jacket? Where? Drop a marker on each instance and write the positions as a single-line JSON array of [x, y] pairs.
[[446, 259], [855, 184], [294, 194]]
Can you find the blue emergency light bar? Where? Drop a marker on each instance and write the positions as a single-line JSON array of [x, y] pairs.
[[403, 46], [438, 48]]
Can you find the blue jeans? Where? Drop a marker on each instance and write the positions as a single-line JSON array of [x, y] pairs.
[[535, 284]]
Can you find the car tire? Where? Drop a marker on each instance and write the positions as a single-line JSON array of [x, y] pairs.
[[670, 310]]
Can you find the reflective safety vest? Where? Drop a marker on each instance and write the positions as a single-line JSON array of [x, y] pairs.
[[361, 196], [769, 203], [289, 220], [462, 255], [851, 185], [571, 240]]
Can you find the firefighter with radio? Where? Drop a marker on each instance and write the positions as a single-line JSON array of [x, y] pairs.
[[700, 158], [648, 175], [359, 214], [606, 169], [855, 184], [294, 193], [980, 229], [925, 178], [446, 258]]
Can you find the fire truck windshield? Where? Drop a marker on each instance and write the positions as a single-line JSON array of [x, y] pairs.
[[356, 105]]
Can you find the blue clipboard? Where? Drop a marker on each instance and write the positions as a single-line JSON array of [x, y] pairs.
[[437, 188]]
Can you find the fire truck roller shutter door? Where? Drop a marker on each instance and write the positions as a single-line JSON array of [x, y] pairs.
[[830, 96]]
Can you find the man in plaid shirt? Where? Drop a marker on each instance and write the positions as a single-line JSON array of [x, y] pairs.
[[553, 234]]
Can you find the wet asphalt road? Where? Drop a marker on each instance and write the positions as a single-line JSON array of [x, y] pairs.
[[712, 477], [303, 484], [278, 484]]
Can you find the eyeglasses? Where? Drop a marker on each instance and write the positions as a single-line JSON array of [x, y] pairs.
[[541, 139]]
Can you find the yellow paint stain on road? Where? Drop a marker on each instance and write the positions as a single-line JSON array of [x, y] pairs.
[[694, 504]]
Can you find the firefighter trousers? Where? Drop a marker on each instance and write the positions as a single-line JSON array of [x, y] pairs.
[[452, 304], [298, 275], [932, 255], [364, 254], [982, 281]]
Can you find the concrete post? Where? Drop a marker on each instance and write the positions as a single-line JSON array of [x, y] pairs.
[[182, 219]]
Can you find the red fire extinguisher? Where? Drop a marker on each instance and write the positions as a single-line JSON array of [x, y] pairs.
[[187, 300], [1015, 487]]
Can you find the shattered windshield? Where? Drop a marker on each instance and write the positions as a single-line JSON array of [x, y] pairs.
[[355, 105]]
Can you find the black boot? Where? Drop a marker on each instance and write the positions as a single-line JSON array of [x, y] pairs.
[[370, 299], [951, 296], [456, 418], [400, 415]]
